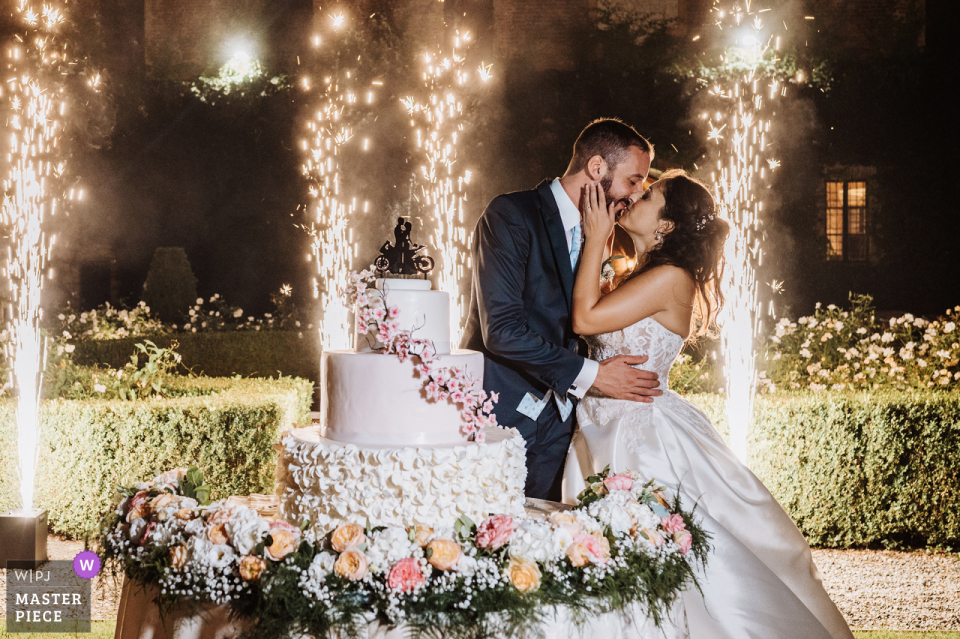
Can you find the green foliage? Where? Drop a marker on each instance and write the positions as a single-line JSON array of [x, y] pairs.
[[859, 469], [221, 354], [171, 286], [224, 426], [192, 486]]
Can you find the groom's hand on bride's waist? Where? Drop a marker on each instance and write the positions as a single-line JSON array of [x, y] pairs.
[[618, 379]]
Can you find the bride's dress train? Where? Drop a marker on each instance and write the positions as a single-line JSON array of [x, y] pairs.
[[760, 580]]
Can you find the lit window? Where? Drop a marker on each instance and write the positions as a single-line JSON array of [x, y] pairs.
[[847, 221]]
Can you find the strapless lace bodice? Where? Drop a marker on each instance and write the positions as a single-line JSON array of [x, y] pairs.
[[646, 337]]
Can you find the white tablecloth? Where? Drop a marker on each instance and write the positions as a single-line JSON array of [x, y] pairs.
[[138, 617]]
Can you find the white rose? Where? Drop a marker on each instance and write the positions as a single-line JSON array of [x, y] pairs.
[[246, 529], [321, 566], [612, 515], [137, 527], [643, 516], [534, 541]]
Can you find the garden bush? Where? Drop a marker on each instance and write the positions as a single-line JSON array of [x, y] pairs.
[[219, 354], [171, 286], [226, 427], [857, 469]]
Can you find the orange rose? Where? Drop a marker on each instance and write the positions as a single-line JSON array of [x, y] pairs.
[[186, 514], [578, 555], [251, 568], [423, 534], [160, 501], [284, 543], [604, 545], [443, 554], [524, 575], [178, 556], [347, 536], [352, 565], [217, 534], [655, 538]]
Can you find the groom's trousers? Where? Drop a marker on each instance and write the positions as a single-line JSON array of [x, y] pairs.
[[547, 442]]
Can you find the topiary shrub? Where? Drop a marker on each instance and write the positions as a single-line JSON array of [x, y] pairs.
[[171, 286], [859, 469], [89, 447]]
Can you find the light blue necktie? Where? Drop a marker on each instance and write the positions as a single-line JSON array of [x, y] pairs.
[[575, 247]]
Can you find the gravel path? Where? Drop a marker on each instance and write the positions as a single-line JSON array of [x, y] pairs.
[[885, 589], [875, 589]]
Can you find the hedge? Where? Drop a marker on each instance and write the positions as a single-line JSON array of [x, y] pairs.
[[227, 428], [860, 469]]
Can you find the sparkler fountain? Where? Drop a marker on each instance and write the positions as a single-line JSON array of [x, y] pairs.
[[439, 121], [35, 103], [739, 123], [339, 109]]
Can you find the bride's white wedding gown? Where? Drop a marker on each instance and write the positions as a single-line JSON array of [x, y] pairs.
[[760, 580]]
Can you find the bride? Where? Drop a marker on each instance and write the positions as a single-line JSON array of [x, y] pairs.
[[760, 580]]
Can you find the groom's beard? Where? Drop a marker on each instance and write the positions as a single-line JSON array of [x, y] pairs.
[[606, 183]]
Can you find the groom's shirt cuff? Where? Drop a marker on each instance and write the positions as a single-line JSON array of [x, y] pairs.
[[586, 378]]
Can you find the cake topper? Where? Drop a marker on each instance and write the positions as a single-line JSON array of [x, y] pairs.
[[402, 257]]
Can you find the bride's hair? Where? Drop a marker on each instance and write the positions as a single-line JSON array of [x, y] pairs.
[[695, 244]]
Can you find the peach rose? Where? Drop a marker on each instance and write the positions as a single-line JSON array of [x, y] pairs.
[[578, 555], [217, 534], [443, 554], [494, 532], [347, 536], [683, 539], [178, 556], [251, 568], [655, 538], [352, 565], [566, 521], [139, 506], [160, 501], [405, 575], [186, 514], [672, 524], [604, 546], [170, 477], [523, 574], [422, 535], [618, 482], [286, 538], [585, 549]]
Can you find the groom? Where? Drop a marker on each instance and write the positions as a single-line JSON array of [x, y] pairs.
[[525, 252]]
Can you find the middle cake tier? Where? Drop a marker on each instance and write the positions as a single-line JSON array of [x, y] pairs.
[[377, 400]]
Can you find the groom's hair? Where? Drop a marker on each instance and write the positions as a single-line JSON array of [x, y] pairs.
[[609, 138]]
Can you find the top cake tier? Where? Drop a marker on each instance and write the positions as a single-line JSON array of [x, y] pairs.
[[423, 312]]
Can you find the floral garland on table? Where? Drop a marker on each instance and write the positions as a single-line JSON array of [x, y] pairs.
[[440, 383], [623, 544]]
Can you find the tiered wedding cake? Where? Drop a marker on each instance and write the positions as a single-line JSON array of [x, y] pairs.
[[386, 453]]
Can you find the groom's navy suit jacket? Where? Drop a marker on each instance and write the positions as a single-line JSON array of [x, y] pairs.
[[521, 302]]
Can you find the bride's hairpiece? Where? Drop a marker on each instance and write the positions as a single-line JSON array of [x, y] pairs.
[[702, 222]]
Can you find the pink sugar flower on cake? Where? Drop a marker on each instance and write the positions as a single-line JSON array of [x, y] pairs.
[[405, 575], [672, 524], [393, 312], [494, 532], [494, 397]]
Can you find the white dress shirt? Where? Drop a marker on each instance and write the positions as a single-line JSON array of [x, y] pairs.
[[570, 216]]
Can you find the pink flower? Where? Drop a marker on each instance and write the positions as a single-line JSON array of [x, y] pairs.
[[453, 384], [488, 407], [683, 539], [592, 545], [480, 437], [378, 313], [432, 390], [405, 575], [147, 532], [618, 482], [457, 396], [393, 312], [138, 506], [672, 524], [494, 532], [494, 397]]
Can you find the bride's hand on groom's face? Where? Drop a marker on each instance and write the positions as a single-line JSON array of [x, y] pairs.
[[598, 218]]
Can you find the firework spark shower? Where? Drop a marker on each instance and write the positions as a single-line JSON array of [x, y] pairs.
[[739, 121], [34, 100], [339, 108], [439, 121]]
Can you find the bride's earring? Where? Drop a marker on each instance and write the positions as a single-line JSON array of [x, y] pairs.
[[658, 236]]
